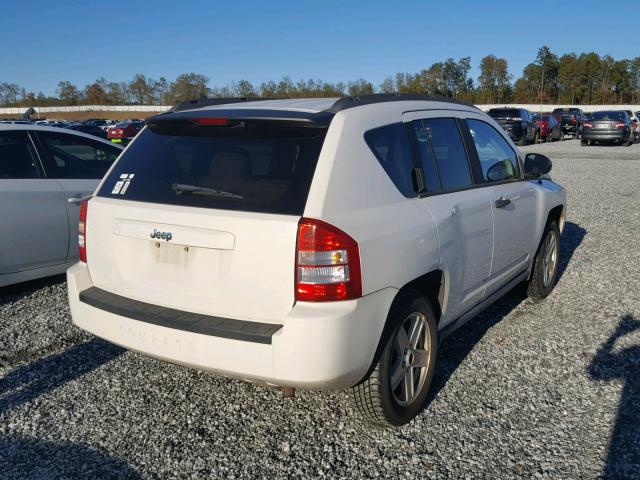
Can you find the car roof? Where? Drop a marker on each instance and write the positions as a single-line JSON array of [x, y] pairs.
[[41, 128], [321, 109]]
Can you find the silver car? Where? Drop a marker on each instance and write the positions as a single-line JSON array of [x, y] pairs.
[[44, 172]]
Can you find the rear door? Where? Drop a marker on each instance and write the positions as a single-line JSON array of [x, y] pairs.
[[35, 230], [202, 218], [462, 211], [512, 202], [78, 163]]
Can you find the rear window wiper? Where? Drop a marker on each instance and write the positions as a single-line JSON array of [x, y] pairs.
[[181, 188]]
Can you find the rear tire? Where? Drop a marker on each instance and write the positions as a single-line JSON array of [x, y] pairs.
[[583, 142], [545, 264], [396, 388]]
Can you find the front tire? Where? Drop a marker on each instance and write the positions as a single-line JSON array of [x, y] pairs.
[[545, 263], [396, 389]]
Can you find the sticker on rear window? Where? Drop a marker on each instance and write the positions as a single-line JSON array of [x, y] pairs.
[[121, 185]]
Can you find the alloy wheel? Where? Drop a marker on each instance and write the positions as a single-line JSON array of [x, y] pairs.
[[411, 357]]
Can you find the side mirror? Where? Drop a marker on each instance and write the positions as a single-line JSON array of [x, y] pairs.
[[498, 172], [536, 165]]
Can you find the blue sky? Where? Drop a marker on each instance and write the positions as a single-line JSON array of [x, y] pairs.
[[43, 42]]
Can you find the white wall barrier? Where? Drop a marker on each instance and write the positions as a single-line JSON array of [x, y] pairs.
[[88, 108]]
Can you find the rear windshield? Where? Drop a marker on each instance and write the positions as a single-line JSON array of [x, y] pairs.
[[608, 116], [566, 111], [249, 168], [504, 112]]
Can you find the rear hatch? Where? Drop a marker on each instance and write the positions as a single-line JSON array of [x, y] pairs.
[[567, 118], [505, 116], [201, 214]]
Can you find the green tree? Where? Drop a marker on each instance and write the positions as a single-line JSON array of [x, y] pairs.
[[494, 80], [68, 93], [188, 86], [244, 88], [359, 87], [141, 90]]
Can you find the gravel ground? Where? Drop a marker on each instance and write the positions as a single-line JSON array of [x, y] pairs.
[[548, 390]]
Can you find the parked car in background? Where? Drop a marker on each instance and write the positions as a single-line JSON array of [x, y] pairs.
[[518, 123], [635, 123], [550, 128], [124, 132], [314, 243], [44, 174], [16, 122], [608, 126], [88, 129], [108, 124], [571, 120]]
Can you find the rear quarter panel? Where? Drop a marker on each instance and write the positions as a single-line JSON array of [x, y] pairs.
[[397, 236]]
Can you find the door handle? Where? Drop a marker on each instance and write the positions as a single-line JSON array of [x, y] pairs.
[[78, 199], [502, 202]]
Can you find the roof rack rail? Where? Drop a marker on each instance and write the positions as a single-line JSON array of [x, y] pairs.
[[357, 101], [207, 102]]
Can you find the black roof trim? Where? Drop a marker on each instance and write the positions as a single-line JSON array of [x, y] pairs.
[[209, 102], [351, 102]]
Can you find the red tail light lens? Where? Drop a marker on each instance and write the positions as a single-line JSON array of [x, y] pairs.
[[327, 263], [211, 121], [574, 120], [82, 231], [620, 124], [587, 124]]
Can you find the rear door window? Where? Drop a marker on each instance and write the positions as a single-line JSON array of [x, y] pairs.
[[253, 168], [449, 152], [390, 145], [17, 158], [73, 156]]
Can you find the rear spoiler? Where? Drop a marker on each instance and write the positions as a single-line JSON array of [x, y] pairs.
[[239, 116], [210, 102]]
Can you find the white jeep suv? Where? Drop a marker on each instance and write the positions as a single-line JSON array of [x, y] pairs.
[[314, 243]]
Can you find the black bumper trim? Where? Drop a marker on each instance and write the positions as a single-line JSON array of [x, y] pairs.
[[178, 319]]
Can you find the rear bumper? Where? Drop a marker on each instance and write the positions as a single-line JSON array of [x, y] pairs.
[[569, 128], [515, 132], [320, 346], [606, 135]]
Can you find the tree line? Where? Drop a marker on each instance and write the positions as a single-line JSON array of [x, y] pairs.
[[587, 78]]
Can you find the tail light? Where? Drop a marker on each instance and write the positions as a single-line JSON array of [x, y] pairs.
[[82, 231], [574, 120], [327, 263], [620, 125], [587, 124]]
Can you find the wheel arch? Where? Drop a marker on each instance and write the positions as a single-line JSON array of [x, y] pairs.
[[557, 214], [430, 285]]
